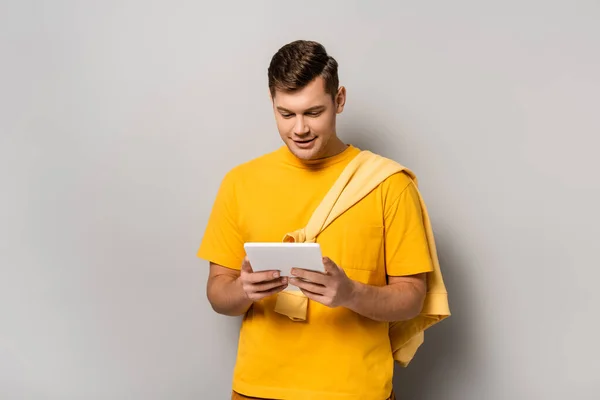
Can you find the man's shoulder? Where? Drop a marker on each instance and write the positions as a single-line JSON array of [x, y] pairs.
[[397, 182], [402, 178], [253, 165]]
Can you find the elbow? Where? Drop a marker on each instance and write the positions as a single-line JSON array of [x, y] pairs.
[[416, 307], [419, 292], [406, 314], [413, 309], [219, 308], [213, 298], [216, 304], [219, 303]]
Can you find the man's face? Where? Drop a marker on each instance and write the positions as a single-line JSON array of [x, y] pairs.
[[306, 120]]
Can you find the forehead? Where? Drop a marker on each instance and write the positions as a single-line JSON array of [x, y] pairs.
[[311, 95]]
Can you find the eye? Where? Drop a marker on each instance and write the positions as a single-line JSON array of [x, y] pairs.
[[314, 113], [285, 115]]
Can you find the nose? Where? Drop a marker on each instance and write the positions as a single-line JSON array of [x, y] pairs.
[[301, 127]]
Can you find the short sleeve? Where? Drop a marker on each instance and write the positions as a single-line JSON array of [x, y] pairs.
[[222, 242], [406, 246]]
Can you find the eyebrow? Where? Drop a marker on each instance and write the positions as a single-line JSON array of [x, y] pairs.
[[311, 109]]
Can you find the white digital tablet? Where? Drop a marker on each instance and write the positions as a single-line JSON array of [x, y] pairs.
[[284, 256]]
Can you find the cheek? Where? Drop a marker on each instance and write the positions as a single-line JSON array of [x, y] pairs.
[[284, 126], [322, 126]]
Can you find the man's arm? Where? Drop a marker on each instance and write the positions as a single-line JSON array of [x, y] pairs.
[[401, 299], [232, 292], [224, 291]]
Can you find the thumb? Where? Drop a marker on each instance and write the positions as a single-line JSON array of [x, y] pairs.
[[246, 267], [330, 266]]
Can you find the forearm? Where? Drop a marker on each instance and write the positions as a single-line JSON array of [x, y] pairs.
[[396, 302], [226, 295]]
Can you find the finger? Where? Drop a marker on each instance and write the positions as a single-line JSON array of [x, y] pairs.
[[313, 296], [262, 276], [265, 286], [312, 276], [261, 295], [246, 266], [330, 266], [309, 286]]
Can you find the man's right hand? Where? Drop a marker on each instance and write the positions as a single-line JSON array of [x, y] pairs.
[[258, 285]]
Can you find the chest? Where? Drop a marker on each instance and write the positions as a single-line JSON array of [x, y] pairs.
[[270, 208]]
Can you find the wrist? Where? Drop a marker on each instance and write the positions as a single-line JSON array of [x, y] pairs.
[[240, 287], [356, 290]]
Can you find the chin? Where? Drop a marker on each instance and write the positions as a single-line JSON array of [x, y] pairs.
[[305, 154], [311, 153]]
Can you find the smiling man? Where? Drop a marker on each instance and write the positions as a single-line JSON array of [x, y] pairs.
[[377, 253]]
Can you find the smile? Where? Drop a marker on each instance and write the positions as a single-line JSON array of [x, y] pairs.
[[304, 141], [305, 144]]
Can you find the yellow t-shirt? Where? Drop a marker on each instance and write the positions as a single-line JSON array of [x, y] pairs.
[[336, 353]]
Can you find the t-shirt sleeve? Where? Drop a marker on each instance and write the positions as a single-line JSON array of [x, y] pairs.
[[222, 242], [406, 246]]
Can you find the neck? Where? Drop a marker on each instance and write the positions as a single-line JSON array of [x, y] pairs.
[[335, 147]]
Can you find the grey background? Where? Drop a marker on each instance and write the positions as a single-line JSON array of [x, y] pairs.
[[119, 118]]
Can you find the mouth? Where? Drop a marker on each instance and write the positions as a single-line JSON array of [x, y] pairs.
[[304, 142]]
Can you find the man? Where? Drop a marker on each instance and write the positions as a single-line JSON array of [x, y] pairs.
[[376, 252]]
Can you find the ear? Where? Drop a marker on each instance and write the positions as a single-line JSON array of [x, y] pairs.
[[340, 100]]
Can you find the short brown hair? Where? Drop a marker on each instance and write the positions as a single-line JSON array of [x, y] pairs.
[[297, 63]]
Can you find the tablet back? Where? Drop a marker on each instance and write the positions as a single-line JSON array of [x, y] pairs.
[[284, 256]]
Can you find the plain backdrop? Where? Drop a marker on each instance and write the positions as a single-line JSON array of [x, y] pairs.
[[118, 120]]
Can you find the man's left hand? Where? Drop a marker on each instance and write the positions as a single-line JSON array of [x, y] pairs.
[[332, 288]]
